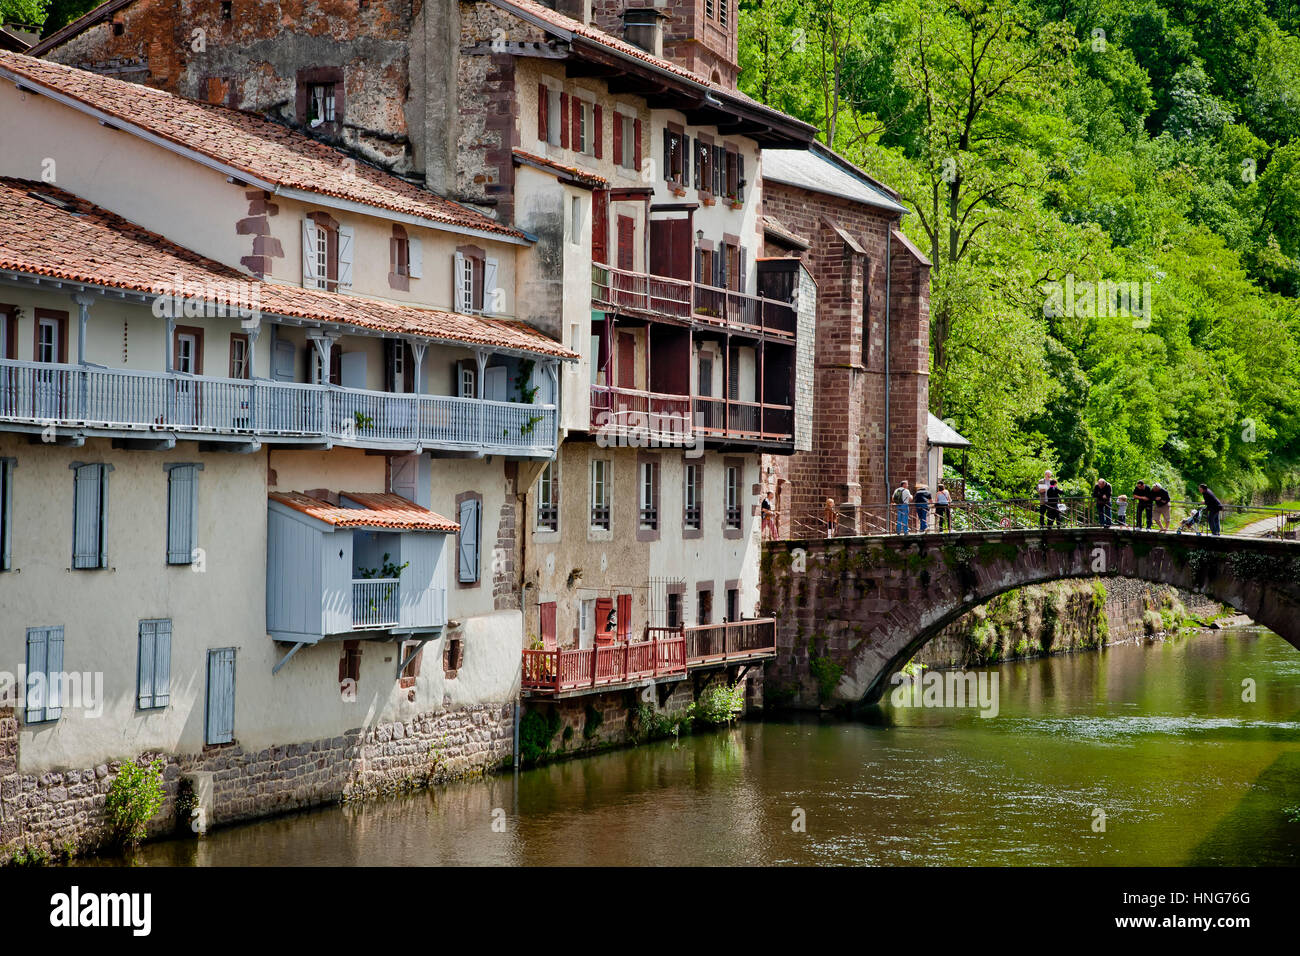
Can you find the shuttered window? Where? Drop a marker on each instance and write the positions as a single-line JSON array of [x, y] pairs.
[[470, 511], [219, 725], [6, 513], [154, 665], [182, 512], [90, 515], [44, 674]]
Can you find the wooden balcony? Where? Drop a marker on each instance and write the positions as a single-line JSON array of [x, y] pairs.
[[669, 653], [122, 402], [675, 419], [638, 292]]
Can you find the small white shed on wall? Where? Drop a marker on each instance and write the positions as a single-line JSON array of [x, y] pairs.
[[940, 435]]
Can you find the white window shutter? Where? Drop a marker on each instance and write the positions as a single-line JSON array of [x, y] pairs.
[[463, 292], [310, 278], [37, 656], [87, 532], [415, 258], [148, 654], [54, 670], [162, 663], [345, 257], [182, 507], [493, 300]]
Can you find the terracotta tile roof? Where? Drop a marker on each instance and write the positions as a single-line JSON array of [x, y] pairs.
[[261, 149], [376, 511], [539, 12], [581, 178], [75, 240]]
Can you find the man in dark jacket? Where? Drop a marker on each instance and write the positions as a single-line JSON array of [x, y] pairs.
[[1053, 505], [1142, 504], [1101, 498], [1213, 508]]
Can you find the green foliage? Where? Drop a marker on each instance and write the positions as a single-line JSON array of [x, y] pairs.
[[29, 13], [536, 731], [591, 724], [133, 799], [827, 673], [719, 704], [1164, 151]]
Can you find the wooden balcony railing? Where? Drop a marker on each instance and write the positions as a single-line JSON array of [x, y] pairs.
[[669, 652], [617, 289], [616, 407], [680, 416], [90, 396]]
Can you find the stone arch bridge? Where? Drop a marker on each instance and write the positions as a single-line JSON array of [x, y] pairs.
[[869, 603]]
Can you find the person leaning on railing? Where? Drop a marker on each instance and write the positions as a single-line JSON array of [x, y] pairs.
[[942, 508]]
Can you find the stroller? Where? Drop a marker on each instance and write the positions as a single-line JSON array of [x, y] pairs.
[[1193, 521]]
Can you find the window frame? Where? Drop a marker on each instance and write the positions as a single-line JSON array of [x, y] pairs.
[[675, 159], [733, 476], [693, 500], [648, 512], [51, 701], [7, 466], [240, 340], [547, 514], [177, 474], [600, 509], [162, 645], [101, 514]]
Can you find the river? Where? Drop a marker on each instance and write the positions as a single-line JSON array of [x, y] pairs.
[[1156, 738]]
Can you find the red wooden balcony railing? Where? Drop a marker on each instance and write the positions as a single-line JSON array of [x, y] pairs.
[[680, 415], [683, 299], [668, 652]]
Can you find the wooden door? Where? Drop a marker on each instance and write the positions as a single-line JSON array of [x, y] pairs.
[[626, 360], [600, 227], [548, 625], [670, 248], [626, 238]]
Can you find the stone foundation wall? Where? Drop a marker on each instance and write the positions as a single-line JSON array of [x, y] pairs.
[[59, 812]]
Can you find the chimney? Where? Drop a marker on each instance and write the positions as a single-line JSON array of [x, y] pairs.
[[579, 10], [642, 27]]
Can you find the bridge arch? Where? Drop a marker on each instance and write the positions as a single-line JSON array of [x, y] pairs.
[[868, 604]]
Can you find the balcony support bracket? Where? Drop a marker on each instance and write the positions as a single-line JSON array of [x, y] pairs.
[[284, 660]]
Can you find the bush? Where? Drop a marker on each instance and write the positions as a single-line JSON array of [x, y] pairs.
[[719, 704], [536, 733], [133, 799]]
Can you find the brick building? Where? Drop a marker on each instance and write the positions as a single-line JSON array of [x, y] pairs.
[[871, 378]]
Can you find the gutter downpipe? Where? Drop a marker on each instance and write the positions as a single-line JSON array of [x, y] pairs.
[[889, 246]]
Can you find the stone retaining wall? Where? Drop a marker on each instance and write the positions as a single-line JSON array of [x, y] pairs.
[[61, 812]]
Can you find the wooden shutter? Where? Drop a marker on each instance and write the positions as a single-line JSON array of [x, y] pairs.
[[733, 374], [154, 674], [695, 161], [542, 126], [740, 175], [6, 513], [345, 257], [600, 218], [220, 717], [603, 606], [310, 279], [624, 618], [88, 543], [668, 162], [618, 139], [487, 294], [548, 625], [182, 511], [469, 540], [44, 657], [636, 144], [575, 117], [461, 290], [626, 242], [564, 120], [414, 259], [598, 129]]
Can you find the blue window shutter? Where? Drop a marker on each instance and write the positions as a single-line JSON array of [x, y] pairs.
[[6, 512], [469, 547], [182, 508], [145, 682], [87, 540], [54, 673], [103, 516], [221, 696], [37, 648], [162, 663]]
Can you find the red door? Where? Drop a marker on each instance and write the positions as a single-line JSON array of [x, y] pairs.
[[548, 625], [626, 360], [626, 237], [600, 227], [603, 633]]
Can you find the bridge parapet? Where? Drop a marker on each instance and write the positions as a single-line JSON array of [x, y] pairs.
[[851, 611]]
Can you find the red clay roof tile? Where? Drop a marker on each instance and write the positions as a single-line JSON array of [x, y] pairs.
[[376, 511]]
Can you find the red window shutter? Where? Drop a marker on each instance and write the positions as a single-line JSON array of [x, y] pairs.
[[542, 125], [603, 607], [624, 617], [575, 115], [618, 140], [626, 237], [564, 120], [548, 625], [636, 144], [598, 128], [600, 226]]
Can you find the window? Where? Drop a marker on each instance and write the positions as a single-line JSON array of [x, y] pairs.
[[704, 166], [722, 11], [733, 497], [399, 367], [326, 253], [548, 493], [239, 356], [6, 513], [226, 9], [586, 622], [675, 156], [44, 674], [625, 137], [735, 175], [187, 350], [154, 665], [8, 331], [600, 476], [51, 336], [551, 108], [583, 141], [733, 604], [477, 289], [320, 104], [90, 515], [673, 617], [350, 669], [219, 719], [411, 653], [575, 220], [400, 253], [709, 8], [470, 515], [704, 606], [466, 380], [691, 511], [182, 512], [649, 486], [453, 657], [318, 368]]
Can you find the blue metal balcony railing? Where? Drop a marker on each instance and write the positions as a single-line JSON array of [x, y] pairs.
[[89, 396]]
